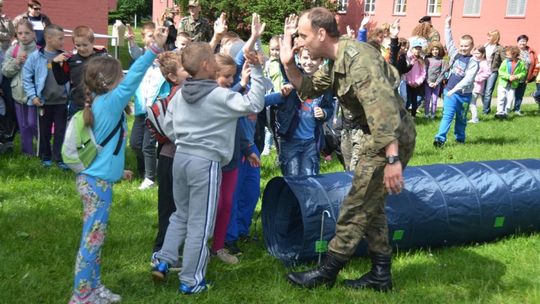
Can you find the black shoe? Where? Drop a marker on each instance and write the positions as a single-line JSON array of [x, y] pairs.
[[438, 144], [325, 274], [233, 248], [379, 278]]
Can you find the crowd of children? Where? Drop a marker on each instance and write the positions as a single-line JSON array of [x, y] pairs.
[[207, 162]]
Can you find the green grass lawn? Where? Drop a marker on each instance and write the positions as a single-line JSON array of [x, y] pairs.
[[40, 224]]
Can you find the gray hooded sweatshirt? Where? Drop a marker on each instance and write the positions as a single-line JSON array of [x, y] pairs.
[[201, 117]]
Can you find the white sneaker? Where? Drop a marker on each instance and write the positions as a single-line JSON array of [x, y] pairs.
[[106, 295], [226, 257], [265, 151], [518, 113], [473, 121], [146, 184]]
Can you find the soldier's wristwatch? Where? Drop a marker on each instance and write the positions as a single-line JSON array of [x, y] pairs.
[[392, 159]]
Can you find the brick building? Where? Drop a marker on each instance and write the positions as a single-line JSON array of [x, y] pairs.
[[70, 14], [475, 17]]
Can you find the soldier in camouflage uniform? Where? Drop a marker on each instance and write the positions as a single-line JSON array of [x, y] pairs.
[[196, 26], [366, 85]]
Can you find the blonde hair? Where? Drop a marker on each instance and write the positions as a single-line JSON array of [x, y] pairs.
[[495, 36]]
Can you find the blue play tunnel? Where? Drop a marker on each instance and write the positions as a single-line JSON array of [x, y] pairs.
[[442, 205]]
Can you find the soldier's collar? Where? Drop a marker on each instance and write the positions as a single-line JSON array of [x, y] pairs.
[[343, 51]]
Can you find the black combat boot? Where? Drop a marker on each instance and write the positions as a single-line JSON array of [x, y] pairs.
[[323, 275], [378, 278]]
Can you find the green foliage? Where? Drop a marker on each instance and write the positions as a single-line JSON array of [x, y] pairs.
[[272, 12], [126, 9]]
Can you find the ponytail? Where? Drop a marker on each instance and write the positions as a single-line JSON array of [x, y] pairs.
[[88, 116]]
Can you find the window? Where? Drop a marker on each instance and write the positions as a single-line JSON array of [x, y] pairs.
[[342, 6], [400, 7], [434, 7], [472, 7], [369, 6], [516, 8]]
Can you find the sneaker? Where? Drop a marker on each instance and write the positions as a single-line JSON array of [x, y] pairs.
[[226, 257], [62, 166], [473, 121], [233, 248], [46, 163], [159, 272], [154, 261], [265, 151], [518, 113], [500, 116], [438, 144], [146, 184], [187, 290], [108, 296]]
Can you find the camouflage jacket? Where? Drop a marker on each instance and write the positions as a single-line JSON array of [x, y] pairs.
[[198, 30], [366, 85]]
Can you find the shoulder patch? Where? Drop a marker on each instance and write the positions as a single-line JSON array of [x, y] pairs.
[[351, 51]]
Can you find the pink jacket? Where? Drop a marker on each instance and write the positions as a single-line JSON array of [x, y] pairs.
[[416, 76], [482, 75]]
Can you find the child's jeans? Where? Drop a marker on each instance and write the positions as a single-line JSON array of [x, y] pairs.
[[96, 195], [456, 105], [473, 108], [432, 96], [166, 205], [505, 99], [299, 157], [144, 145], [56, 114], [412, 98], [246, 195], [27, 120], [225, 202]]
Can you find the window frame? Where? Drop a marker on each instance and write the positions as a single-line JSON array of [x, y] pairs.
[[516, 16], [465, 14], [342, 9], [438, 3], [403, 6], [372, 4]]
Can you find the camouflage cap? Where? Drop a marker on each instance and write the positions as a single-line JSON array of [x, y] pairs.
[[193, 3]]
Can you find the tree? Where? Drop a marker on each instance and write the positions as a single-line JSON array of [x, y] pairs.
[[126, 9], [272, 12]]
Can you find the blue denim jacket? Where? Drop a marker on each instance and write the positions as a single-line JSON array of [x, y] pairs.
[[287, 114], [35, 75]]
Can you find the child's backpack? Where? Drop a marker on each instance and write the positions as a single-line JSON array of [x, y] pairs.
[[155, 117], [80, 148]]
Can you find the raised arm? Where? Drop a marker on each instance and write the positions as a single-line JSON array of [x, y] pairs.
[[452, 50], [287, 49]]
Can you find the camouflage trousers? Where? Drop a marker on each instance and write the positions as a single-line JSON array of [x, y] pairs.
[[350, 147], [362, 211]]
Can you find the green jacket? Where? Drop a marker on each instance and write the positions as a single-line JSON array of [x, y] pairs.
[[366, 85], [198, 30], [504, 75]]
